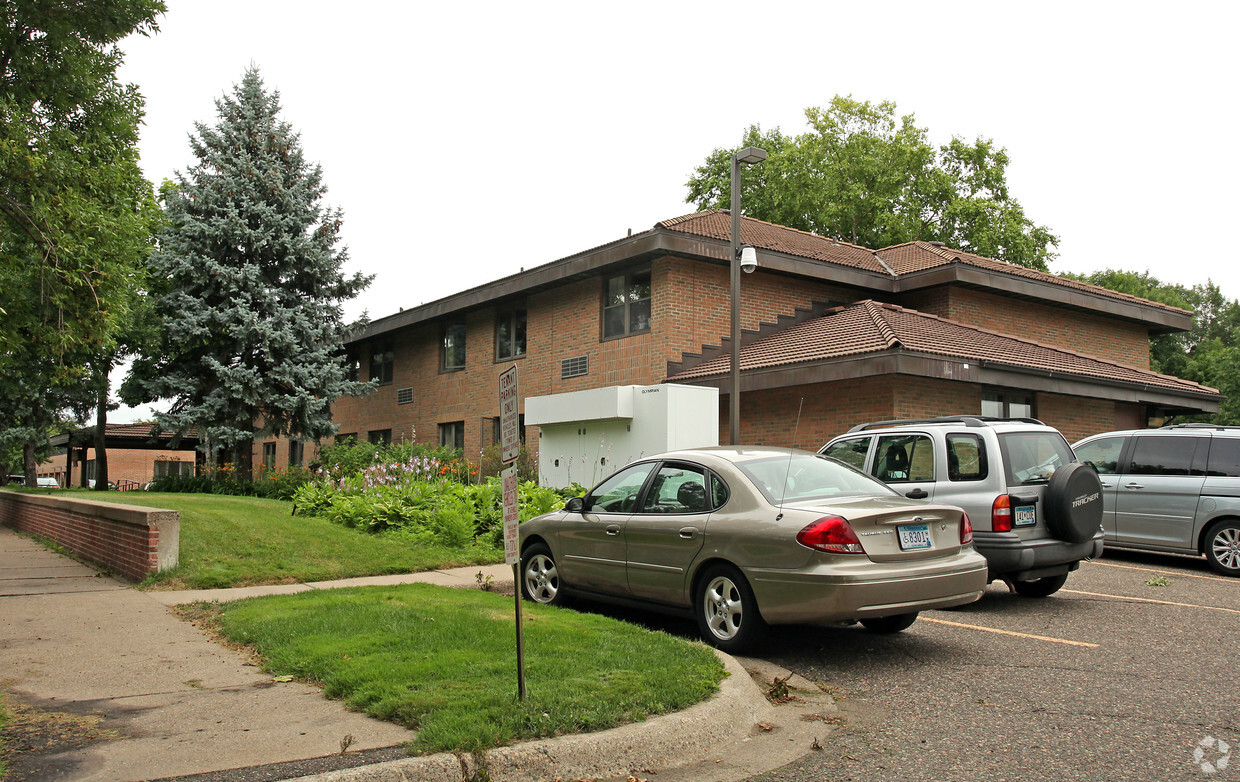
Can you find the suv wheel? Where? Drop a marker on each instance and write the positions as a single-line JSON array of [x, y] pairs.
[[1040, 587], [1222, 545], [1073, 503]]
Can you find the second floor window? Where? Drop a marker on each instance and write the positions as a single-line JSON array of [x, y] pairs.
[[509, 334], [453, 352], [382, 361], [626, 303]]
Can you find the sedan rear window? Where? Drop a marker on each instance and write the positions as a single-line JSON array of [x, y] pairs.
[[1032, 457], [806, 476]]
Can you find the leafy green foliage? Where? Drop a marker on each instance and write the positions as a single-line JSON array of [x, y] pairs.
[[867, 176], [76, 215], [440, 660], [1208, 354], [271, 484], [250, 287]]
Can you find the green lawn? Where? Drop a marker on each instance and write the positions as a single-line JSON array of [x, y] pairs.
[[242, 541], [443, 661]]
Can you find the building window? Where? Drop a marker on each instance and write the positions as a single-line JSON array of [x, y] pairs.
[[626, 304], [352, 367], [452, 435], [165, 468], [296, 452], [453, 349], [510, 334], [269, 456], [497, 434], [382, 362], [346, 438], [574, 367], [380, 436], [1007, 404]]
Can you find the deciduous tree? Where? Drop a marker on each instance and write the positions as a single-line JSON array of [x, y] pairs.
[[864, 175]]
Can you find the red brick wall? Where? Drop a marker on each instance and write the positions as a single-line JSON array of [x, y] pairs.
[[689, 310], [133, 542], [1078, 417], [1107, 338], [123, 464]]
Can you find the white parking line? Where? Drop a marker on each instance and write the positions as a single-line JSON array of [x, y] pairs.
[[1147, 600], [1009, 632], [1167, 572]]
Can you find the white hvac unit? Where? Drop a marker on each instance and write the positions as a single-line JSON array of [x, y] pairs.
[[584, 436]]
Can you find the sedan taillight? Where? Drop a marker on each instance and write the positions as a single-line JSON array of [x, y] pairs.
[[1001, 514], [966, 529], [831, 534]]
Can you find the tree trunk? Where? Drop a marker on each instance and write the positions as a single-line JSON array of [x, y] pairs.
[[101, 425], [28, 464], [243, 461]]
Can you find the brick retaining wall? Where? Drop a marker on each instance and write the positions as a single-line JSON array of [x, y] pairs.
[[134, 542]]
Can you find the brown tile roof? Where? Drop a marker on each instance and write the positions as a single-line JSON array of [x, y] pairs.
[[874, 327], [891, 261], [919, 256], [717, 224]]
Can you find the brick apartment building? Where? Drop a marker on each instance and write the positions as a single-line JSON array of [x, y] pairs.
[[844, 333]]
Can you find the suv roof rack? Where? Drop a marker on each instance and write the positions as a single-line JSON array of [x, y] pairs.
[[967, 420], [1218, 427]]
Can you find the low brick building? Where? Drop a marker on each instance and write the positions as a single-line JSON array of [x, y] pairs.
[[844, 333], [136, 454]]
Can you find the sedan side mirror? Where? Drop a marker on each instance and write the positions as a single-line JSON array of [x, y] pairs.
[[575, 505]]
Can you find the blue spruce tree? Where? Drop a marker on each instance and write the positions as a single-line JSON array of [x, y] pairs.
[[248, 282]]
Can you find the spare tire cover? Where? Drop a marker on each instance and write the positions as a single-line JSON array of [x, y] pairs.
[[1073, 503]]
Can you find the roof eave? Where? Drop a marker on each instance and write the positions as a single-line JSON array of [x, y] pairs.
[[1158, 320]]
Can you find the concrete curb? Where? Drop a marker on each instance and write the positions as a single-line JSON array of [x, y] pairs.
[[681, 738]]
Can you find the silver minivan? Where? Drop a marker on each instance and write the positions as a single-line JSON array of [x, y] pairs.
[[1174, 489], [1035, 510]]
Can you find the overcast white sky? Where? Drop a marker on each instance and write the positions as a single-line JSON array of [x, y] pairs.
[[464, 141]]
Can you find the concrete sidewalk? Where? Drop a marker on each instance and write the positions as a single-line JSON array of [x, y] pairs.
[[118, 688]]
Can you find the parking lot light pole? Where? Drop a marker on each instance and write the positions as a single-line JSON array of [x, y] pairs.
[[748, 155]]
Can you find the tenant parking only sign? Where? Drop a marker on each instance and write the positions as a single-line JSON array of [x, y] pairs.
[[510, 448]]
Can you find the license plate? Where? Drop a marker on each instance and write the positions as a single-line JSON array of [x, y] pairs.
[[914, 536], [1025, 515]]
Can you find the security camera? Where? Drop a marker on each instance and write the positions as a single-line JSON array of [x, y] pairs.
[[749, 259]]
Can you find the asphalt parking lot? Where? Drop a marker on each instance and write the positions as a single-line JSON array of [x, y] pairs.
[[1130, 672]]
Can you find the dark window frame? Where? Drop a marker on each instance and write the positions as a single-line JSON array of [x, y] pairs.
[[627, 306], [1008, 398], [382, 362], [448, 345], [458, 435], [516, 318], [269, 455], [379, 436], [296, 453]]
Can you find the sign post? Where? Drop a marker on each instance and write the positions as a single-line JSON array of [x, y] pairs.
[[510, 449]]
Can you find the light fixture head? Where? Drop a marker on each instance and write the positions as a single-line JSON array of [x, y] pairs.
[[749, 259], [751, 155]]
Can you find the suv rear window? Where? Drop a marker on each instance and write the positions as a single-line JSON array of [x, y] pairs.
[[1031, 457]]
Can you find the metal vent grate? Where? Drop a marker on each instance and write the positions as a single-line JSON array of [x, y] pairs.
[[404, 396], [574, 367]]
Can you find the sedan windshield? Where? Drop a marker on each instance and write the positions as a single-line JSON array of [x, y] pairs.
[[806, 476]]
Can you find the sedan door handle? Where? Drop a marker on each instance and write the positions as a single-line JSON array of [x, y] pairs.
[[688, 533], [917, 494], [1133, 486], [613, 529]]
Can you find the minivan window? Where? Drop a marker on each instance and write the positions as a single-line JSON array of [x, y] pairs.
[[1164, 455], [1032, 457], [1102, 454], [1224, 457]]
